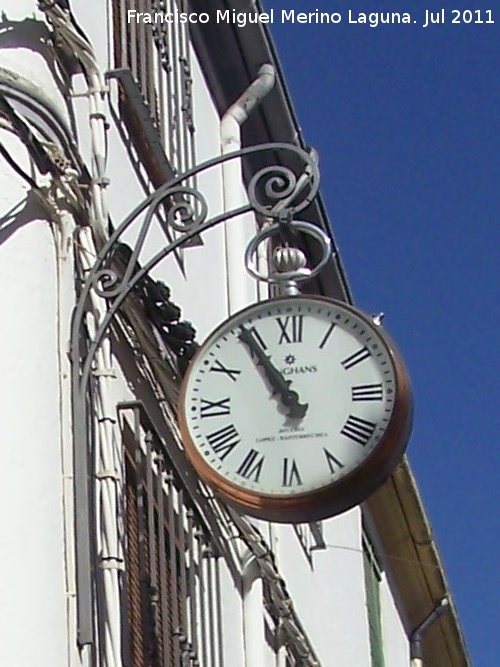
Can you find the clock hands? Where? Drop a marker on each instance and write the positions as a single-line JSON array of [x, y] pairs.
[[289, 398]]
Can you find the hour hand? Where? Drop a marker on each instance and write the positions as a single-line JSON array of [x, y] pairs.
[[289, 398]]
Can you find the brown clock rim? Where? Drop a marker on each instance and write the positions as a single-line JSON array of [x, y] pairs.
[[338, 496]]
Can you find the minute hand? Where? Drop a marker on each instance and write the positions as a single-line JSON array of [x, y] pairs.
[[281, 386]]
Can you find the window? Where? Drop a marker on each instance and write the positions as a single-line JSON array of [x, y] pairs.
[[372, 588], [154, 108], [172, 589], [158, 57]]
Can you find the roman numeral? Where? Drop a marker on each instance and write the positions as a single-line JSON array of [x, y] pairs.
[[214, 408], [367, 392], [357, 429], [230, 372], [327, 335], [333, 463], [356, 358], [224, 440], [290, 329], [291, 474], [258, 337], [251, 466]]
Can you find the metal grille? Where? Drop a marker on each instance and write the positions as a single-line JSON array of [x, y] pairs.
[[158, 56], [172, 571]]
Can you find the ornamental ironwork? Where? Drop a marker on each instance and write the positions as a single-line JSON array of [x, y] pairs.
[[276, 195]]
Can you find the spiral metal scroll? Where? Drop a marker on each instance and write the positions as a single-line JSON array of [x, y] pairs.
[[278, 192], [187, 210]]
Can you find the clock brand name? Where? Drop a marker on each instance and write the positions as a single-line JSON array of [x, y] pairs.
[[299, 370]]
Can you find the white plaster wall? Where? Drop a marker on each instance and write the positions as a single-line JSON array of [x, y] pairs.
[[330, 596], [396, 646], [36, 294], [232, 620], [395, 640], [24, 49], [201, 292], [33, 593]]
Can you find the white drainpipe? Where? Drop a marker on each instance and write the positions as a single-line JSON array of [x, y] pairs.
[[253, 617], [240, 290], [416, 647]]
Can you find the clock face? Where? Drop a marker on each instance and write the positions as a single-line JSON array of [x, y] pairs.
[[296, 408]]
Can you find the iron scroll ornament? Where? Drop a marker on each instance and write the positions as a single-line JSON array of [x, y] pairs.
[[105, 281], [276, 192]]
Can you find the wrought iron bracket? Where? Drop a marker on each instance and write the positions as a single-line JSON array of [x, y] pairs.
[[277, 193]]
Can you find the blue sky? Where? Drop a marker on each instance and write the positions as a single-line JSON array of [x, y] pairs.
[[406, 122]]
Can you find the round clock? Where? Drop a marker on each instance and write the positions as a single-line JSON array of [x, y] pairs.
[[296, 409]]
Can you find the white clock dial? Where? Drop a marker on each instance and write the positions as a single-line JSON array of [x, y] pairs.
[[288, 398]]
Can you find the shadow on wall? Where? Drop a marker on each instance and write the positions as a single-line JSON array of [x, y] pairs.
[[23, 212], [35, 35]]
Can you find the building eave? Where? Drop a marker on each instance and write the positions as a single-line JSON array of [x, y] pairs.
[[415, 567], [231, 57]]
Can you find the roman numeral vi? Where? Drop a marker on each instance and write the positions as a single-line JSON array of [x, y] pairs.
[[291, 473]]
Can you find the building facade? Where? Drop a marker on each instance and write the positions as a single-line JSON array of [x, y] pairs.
[[139, 158]]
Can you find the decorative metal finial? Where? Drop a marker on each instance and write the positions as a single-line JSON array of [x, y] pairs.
[[288, 261], [288, 264], [378, 318]]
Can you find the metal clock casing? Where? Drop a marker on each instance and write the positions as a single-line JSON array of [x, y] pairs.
[[296, 408]]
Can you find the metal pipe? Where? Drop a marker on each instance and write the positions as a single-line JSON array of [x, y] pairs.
[[416, 637], [218, 602], [211, 608], [240, 110], [281, 657], [193, 616], [203, 599], [173, 574], [182, 629], [253, 617], [232, 183], [164, 574]]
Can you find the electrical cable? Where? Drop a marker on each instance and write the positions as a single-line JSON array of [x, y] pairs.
[[33, 145], [43, 117], [78, 45]]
